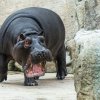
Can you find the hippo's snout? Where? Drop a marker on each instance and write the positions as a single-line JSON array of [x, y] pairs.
[[43, 55], [40, 55]]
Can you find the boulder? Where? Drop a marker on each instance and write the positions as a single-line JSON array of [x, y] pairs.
[[86, 64]]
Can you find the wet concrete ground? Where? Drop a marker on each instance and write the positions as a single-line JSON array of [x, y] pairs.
[[48, 89]]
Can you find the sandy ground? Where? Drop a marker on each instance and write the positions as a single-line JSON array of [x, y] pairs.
[[48, 89]]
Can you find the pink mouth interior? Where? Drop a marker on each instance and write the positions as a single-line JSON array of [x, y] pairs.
[[35, 70]]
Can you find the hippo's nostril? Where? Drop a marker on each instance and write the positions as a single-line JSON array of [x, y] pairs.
[[39, 55], [43, 53]]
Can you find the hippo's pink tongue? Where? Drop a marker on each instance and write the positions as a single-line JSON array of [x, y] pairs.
[[35, 70]]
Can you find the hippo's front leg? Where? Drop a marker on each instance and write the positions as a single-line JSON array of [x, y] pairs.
[[3, 67], [29, 81], [61, 64]]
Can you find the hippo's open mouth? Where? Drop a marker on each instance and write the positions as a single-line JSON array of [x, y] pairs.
[[34, 70]]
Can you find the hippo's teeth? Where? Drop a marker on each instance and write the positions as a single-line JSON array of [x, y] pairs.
[[35, 70], [40, 64], [31, 65]]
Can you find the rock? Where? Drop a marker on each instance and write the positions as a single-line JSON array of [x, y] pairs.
[[50, 67], [87, 65], [11, 65], [14, 66], [88, 14], [80, 13]]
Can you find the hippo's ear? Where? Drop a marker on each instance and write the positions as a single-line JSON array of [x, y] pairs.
[[21, 37]]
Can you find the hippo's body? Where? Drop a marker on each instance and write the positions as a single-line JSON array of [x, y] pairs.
[[32, 35]]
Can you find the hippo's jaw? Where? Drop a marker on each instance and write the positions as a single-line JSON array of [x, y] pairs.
[[33, 70]]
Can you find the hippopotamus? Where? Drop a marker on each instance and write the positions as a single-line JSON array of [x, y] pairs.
[[32, 36]]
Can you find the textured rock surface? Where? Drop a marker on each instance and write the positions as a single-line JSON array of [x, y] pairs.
[[88, 14], [86, 61]]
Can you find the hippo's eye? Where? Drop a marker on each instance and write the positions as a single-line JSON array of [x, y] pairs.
[[22, 37]]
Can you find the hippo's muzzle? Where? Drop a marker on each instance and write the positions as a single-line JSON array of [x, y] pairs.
[[35, 65], [42, 55]]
